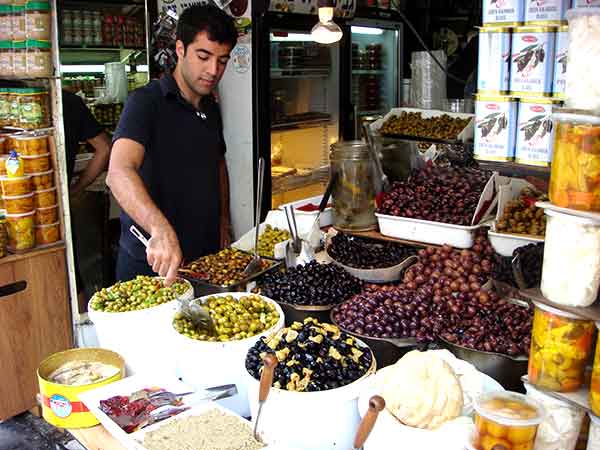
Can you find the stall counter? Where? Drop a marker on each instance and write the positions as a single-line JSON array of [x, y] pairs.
[[96, 438]]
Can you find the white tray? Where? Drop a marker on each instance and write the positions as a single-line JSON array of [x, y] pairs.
[[426, 231], [326, 218], [127, 386], [506, 243], [465, 135]]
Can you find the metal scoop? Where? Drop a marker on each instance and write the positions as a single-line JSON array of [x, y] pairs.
[[385, 182], [198, 315], [266, 380], [255, 265], [376, 405]]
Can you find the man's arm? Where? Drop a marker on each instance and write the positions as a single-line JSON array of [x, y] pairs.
[[225, 229], [164, 252], [97, 165]]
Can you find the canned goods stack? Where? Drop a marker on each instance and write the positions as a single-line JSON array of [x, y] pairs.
[[521, 78]]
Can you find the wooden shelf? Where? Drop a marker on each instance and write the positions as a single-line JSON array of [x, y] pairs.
[[589, 313], [10, 258], [514, 169]]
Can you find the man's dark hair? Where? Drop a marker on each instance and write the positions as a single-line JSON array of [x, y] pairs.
[[208, 18]]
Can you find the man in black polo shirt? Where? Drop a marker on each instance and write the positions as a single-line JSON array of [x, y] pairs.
[[167, 167]]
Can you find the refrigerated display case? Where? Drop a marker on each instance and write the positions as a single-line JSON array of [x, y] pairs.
[[376, 66]]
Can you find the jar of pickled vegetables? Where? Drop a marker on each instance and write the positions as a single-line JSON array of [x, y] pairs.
[[47, 234], [19, 58], [44, 198], [28, 145], [21, 234], [38, 20], [33, 108], [575, 178], [507, 420], [16, 186], [18, 204], [561, 345], [47, 215], [18, 22], [4, 108], [6, 59], [3, 237], [14, 110], [36, 164], [42, 180], [595, 384], [39, 58]]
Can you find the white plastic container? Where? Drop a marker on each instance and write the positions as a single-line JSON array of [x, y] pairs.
[[141, 337], [535, 137], [561, 52], [322, 420], [506, 243], [532, 61], [495, 131], [425, 231], [594, 433], [571, 269], [203, 364], [326, 218], [507, 12], [493, 65], [546, 12], [560, 428], [582, 89]]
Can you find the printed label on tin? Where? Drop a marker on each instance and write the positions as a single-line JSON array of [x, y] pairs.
[[534, 133], [60, 406], [560, 63], [586, 4], [502, 11], [494, 129], [494, 62], [532, 62], [546, 10]]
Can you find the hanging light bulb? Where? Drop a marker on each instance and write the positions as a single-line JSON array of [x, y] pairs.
[[326, 31]]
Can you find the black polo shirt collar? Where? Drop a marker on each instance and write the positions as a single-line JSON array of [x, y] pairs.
[[168, 86]]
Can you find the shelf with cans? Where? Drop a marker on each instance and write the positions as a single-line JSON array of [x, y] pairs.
[[367, 77]]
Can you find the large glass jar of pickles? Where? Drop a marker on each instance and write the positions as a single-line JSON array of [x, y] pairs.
[[575, 179], [595, 384], [506, 420], [561, 345], [33, 108]]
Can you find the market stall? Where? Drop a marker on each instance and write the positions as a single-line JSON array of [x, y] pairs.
[[451, 308]]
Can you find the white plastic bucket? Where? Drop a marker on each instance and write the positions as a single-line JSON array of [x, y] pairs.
[[322, 420], [203, 364], [141, 337]]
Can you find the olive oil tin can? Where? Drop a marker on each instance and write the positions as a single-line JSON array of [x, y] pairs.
[[532, 61], [495, 122], [547, 12], [586, 4], [503, 12], [535, 137], [561, 52], [493, 74]]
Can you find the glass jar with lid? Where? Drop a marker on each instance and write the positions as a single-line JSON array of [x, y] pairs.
[[18, 23], [12, 95], [4, 108], [6, 59], [37, 21], [39, 58], [355, 187], [33, 108], [19, 57]]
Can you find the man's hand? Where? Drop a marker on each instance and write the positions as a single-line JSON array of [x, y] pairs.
[[225, 233], [163, 253]]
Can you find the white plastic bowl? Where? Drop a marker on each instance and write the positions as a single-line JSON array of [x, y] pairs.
[[203, 364], [141, 337], [506, 243]]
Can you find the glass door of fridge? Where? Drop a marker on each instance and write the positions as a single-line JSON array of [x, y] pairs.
[[304, 115], [375, 69]]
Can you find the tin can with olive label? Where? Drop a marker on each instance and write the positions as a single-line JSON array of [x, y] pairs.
[[559, 81], [494, 60], [535, 137], [503, 12], [547, 12], [532, 62], [495, 121], [586, 4]]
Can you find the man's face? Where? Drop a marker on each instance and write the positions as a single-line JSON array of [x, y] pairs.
[[202, 63]]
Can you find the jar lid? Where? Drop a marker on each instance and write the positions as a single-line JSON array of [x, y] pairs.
[[18, 45], [32, 90], [6, 44], [41, 6], [32, 43], [17, 8], [5, 9], [576, 115], [557, 312]]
